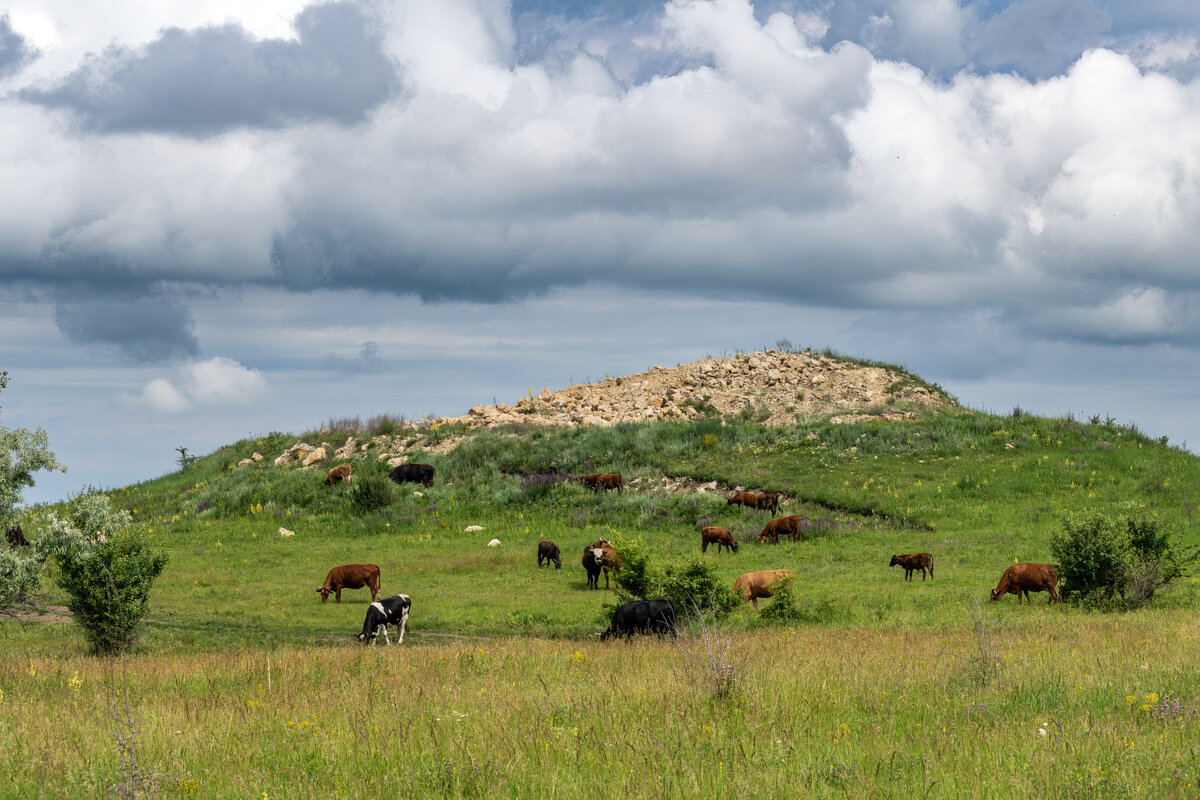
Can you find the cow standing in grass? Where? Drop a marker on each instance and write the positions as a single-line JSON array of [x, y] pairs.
[[548, 551], [721, 537], [390, 611], [769, 501], [350, 576], [913, 562], [781, 525], [1021, 579], [338, 474], [747, 499], [753, 585], [643, 616], [593, 563], [413, 473]]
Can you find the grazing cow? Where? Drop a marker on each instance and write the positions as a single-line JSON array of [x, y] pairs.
[[609, 560], [747, 499], [1021, 579], [390, 611], [769, 501], [338, 474], [350, 576], [16, 537], [913, 562], [720, 536], [412, 473], [548, 550], [593, 563], [597, 481], [781, 525], [754, 585], [643, 616]]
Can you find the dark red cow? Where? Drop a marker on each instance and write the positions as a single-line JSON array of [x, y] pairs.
[[781, 525], [1021, 579], [721, 537], [913, 562], [350, 576]]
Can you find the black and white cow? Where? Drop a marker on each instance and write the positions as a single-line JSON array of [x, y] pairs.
[[389, 611], [593, 562], [643, 616]]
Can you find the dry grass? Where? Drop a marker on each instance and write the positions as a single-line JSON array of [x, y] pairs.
[[819, 712]]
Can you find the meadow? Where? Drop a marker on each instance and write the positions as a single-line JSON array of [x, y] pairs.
[[245, 685]]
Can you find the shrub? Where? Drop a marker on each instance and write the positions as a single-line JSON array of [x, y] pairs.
[[1091, 553], [371, 492], [783, 604], [695, 587], [109, 587], [1098, 557]]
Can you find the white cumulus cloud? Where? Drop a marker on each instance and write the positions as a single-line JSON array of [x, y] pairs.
[[201, 385]]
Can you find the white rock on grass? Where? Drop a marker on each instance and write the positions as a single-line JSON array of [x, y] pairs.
[[286, 532], [494, 543], [473, 528]]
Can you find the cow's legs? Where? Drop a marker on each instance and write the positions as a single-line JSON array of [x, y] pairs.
[[403, 625]]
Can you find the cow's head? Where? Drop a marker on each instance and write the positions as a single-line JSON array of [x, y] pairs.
[[324, 592], [997, 594], [764, 536], [895, 562], [558, 562], [733, 544]]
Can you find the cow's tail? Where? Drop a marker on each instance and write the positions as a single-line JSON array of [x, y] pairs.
[[931, 567]]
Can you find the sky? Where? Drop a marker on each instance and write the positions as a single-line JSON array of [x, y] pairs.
[[220, 219]]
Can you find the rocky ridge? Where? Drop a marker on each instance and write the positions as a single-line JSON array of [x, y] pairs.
[[772, 387]]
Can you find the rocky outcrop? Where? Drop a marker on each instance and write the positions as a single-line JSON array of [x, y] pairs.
[[772, 386]]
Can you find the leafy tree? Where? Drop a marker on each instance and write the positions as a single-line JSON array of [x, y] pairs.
[[22, 453], [109, 587]]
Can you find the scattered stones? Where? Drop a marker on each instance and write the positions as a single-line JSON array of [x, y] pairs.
[[286, 532]]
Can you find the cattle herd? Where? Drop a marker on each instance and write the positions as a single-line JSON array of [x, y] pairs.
[[600, 557]]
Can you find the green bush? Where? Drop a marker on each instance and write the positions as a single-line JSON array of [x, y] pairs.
[[1091, 553], [371, 492], [696, 588], [1098, 557], [109, 587], [783, 605]]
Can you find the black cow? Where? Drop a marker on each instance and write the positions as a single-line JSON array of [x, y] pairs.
[[548, 551], [593, 562], [413, 473], [643, 616], [16, 537], [389, 611]]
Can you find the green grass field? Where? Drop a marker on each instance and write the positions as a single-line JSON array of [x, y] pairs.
[[245, 685]]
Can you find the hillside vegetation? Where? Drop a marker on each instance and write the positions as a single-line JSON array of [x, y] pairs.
[[878, 688]]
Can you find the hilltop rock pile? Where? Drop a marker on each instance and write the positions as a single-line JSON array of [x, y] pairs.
[[774, 387]]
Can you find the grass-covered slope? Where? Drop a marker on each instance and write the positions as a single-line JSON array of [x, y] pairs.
[[977, 491], [246, 685]]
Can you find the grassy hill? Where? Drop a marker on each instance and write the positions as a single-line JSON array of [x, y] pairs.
[[880, 689]]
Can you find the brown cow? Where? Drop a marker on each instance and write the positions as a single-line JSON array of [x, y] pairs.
[[747, 499], [16, 537], [769, 501], [720, 536], [350, 576], [548, 551], [754, 585], [597, 481], [338, 474], [608, 557], [1021, 579], [913, 562], [784, 525]]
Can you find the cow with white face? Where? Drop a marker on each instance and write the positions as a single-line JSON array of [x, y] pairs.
[[389, 611]]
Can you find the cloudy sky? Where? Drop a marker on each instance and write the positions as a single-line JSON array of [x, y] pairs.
[[220, 219]]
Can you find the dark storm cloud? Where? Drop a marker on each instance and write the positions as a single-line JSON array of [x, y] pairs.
[[201, 82], [15, 52], [143, 329]]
